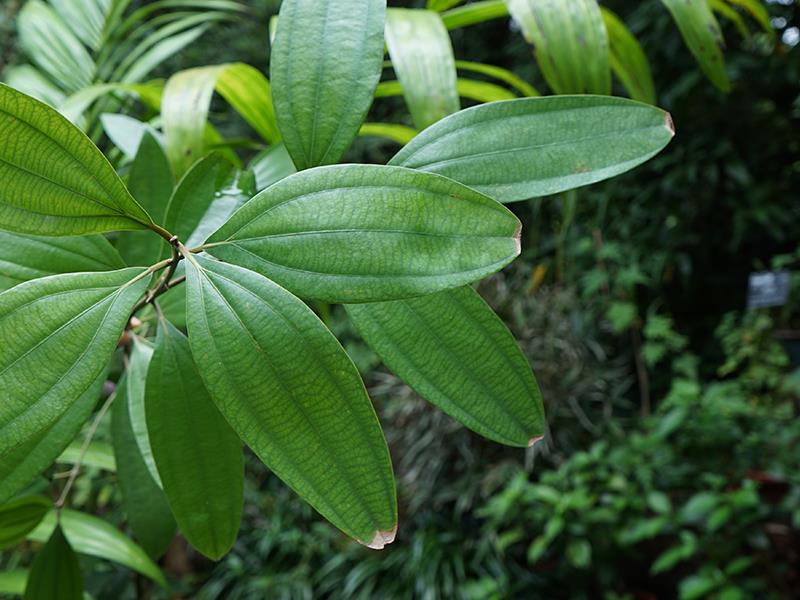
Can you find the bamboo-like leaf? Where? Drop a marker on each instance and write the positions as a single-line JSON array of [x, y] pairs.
[[702, 35], [55, 181], [27, 257], [31, 81], [483, 91], [362, 233], [454, 351], [628, 60], [20, 466], [728, 12], [145, 504], [63, 328], [397, 133], [325, 65], [127, 133], [422, 57], [538, 146], [99, 455], [86, 18], [759, 12], [504, 75], [53, 47], [162, 51], [570, 43], [474, 13], [187, 98], [55, 572], [150, 182], [440, 5], [21, 516], [90, 535], [197, 454], [291, 393], [78, 103]]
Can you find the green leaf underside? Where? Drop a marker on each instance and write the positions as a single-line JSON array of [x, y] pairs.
[[361, 233], [151, 183], [55, 572], [21, 465], [26, 257], [422, 58], [455, 352], [531, 147], [92, 536], [198, 455], [628, 60], [63, 328], [570, 43], [145, 505], [291, 393], [21, 516], [326, 61], [55, 181], [272, 165], [135, 382], [702, 35]]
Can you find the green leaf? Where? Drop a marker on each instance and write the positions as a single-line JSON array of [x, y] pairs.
[[86, 18], [127, 133], [628, 61], [21, 516], [397, 133], [455, 352], [325, 65], [532, 147], [422, 58], [99, 455], [570, 42], [135, 381], [198, 456], [21, 465], [64, 329], [759, 12], [272, 165], [290, 392], [53, 47], [56, 182], [504, 75], [31, 81], [92, 536], [55, 572], [13, 582], [26, 257], [702, 35], [145, 505], [440, 5], [362, 233], [150, 182], [473, 13], [483, 91], [205, 199], [186, 102]]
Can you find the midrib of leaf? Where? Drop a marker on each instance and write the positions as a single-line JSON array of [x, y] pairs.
[[366, 275], [343, 472]]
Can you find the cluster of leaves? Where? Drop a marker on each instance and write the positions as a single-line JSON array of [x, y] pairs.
[[396, 244]]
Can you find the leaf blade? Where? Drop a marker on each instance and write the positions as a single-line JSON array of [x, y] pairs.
[[55, 572]]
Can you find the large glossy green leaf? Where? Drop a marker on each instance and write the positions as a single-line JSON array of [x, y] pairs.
[[702, 35], [198, 455], [454, 351], [55, 181], [570, 42], [326, 61], [90, 535], [422, 58], [20, 465], [150, 181], [26, 257], [53, 47], [58, 335], [292, 394], [628, 61], [186, 102], [538, 146], [361, 233], [21, 516], [149, 515], [55, 572]]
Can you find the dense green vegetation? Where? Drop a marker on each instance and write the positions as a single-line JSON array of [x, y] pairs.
[[671, 452]]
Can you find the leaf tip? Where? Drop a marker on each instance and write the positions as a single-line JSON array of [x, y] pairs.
[[534, 440], [382, 539], [670, 124]]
